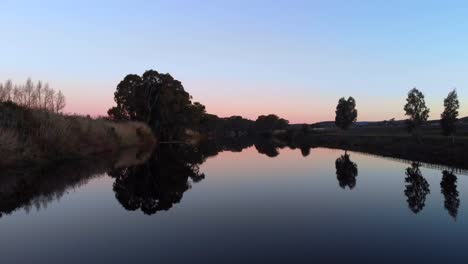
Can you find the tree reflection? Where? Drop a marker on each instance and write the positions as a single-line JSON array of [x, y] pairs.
[[417, 188], [448, 187], [267, 147], [346, 171], [161, 182], [30, 188], [305, 151]]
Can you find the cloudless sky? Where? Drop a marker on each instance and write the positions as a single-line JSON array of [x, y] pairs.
[[291, 58]]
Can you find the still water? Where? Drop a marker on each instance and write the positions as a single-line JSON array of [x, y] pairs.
[[250, 205]]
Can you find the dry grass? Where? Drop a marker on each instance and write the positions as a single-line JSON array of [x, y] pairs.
[[9, 147], [40, 136]]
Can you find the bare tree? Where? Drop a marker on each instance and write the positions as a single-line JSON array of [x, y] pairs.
[[38, 94], [28, 91], [45, 91], [49, 97], [59, 102], [18, 95], [2, 93], [8, 87]]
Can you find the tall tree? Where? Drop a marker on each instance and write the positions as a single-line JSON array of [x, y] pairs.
[[416, 110], [449, 117], [59, 102], [346, 113]]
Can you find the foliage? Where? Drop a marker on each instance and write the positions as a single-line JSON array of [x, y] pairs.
[[270, 123], [416, 109], [450, 115], [346, 113], [35, 135], [158, 100]]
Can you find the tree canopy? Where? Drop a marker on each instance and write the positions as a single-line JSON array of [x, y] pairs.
[[159, 100], [270, 123], [449, 117], [346, 113], [416, 109]]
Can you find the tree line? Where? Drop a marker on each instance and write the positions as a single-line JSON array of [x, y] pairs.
[[415, 108], [32, 95], [162, 102]]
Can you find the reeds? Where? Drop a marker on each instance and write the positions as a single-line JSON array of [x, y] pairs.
[[37, 135]]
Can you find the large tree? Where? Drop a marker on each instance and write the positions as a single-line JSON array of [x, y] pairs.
[[159, 100], [346, 113], [416, 110], [270, 123], [449, 117]]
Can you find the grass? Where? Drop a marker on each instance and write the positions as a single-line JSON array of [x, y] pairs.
[[39, 136]]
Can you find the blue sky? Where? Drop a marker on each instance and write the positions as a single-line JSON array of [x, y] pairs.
[[292, 58]]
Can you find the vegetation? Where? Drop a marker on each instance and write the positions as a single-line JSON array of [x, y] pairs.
[[158, 100], [416, 110], [449, 117], [270, 123], [33, 131], [346, 113], [162, 102], [30, 95]]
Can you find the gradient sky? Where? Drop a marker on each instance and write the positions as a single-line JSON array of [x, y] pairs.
[[292, 58]]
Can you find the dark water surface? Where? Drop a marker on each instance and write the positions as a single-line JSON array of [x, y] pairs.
[[237, 207]]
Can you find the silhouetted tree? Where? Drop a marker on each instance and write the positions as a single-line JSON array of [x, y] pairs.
[[270, 123], [450, 115], [448, 187], [159, 100], [346, 171], [417, 188], [305, 150], [416, 110], [346, 113]]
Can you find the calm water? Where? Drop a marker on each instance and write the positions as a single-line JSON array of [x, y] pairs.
[[237, 207]]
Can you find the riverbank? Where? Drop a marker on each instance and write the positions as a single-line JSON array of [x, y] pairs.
[[38, 137], [430, 148]]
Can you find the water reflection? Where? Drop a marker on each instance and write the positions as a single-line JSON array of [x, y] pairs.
[[155, 181], [346, 171], [416, 189], [35, 188], [160, 182], [448, 187]]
